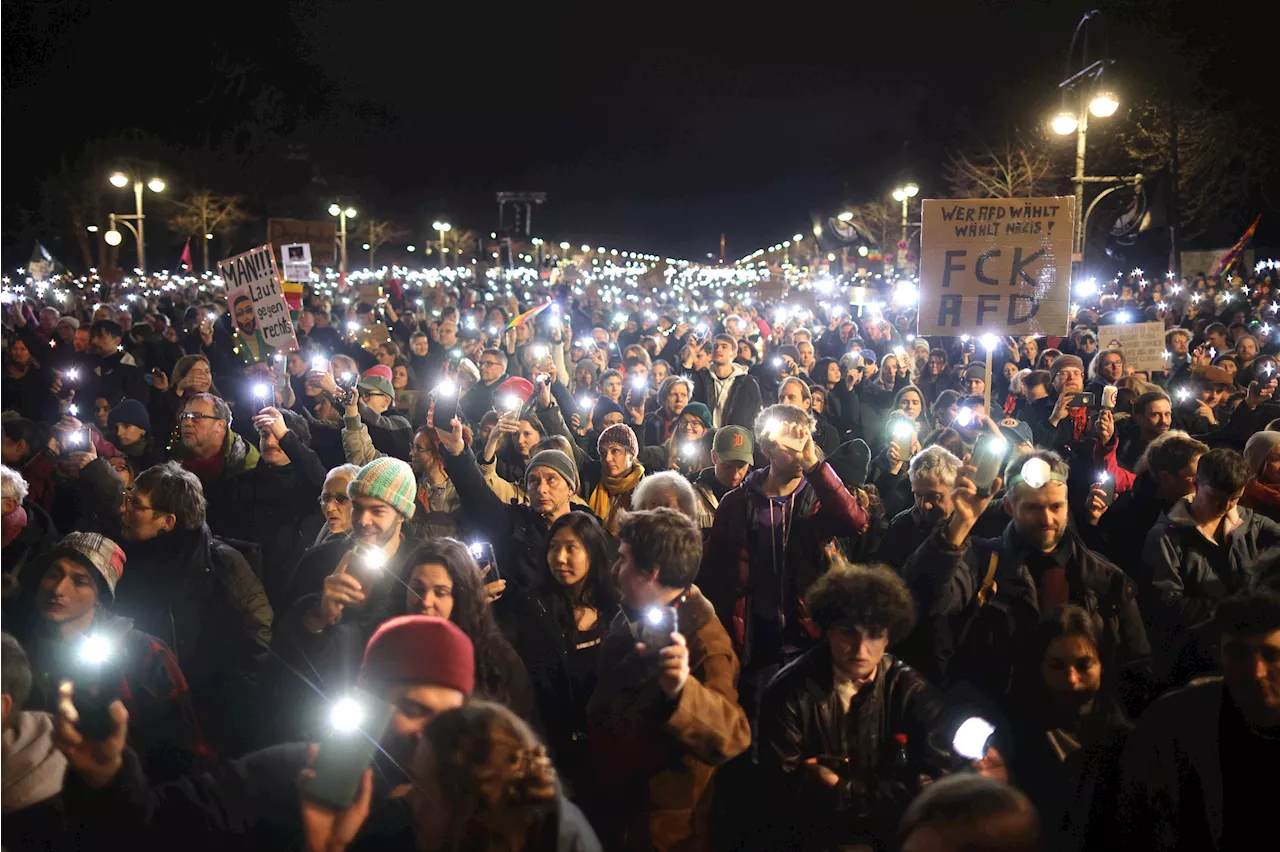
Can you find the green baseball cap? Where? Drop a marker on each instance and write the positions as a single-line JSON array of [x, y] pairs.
[[733, 443]]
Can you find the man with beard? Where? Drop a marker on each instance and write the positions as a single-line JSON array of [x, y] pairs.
[[420, 665], [985, 596], [212, 451], [249, 337], [1190, 773], [933, 474], [382, 501], [725, 387], [1152, 416]]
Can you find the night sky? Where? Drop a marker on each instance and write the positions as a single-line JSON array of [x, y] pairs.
[[650, 128]]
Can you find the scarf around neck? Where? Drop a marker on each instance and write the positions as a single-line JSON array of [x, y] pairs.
[[613, 494], [13, 523], [1263, 493]]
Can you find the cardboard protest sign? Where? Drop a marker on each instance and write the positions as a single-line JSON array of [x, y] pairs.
[[995, 265], [321, 236], [1142, 342], [257, 302]]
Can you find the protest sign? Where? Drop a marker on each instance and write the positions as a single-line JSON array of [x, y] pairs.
[[1142, 342], [296, 259], [257, 303], [995, 265]]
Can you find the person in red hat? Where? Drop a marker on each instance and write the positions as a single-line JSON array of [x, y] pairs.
[[420, 665]]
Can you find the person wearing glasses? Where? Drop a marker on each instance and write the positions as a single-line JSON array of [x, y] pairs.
[[210, 449], [193, 591], [335, 505], [493, 372]]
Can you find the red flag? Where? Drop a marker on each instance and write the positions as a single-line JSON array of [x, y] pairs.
[[1233, 254], [184, 262]]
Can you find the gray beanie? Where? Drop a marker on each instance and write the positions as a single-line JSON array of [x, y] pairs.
[[560, 463], [1258, 448], [591, 367]]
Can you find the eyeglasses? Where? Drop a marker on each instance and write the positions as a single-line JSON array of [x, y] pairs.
[[490, 364], [338, 499], [131, 502], [193, 415]]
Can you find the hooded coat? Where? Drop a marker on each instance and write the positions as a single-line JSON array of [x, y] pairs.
[[742, 401]]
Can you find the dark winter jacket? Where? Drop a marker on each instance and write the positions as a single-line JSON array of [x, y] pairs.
[[518, 533], [275, 507], [906, 530], [200, 597], [801, 717], [1190, 574], [1171, 792], [733, 564], [1124, 526], [743, 402], [978, 644]]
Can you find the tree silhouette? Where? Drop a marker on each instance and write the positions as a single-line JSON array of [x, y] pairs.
[[204, 212], [1019, 168], [378, 232]]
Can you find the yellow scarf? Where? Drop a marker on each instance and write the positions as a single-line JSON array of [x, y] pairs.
[[613, 494]]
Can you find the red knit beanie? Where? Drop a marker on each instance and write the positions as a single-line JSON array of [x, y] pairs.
[[420, 649]]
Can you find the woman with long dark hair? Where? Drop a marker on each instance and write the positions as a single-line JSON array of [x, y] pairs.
[[1068, 731], [445, 581], [560, 624]]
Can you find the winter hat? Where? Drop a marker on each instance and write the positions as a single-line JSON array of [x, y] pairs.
[[1258, 448], [789, 350], [703, 413], [131, 413], [850, 461], [389, 480], [976, 370], [420, 649], [377, 380], [619, 433], [1065, 361], [604, 406], [590, 366], [71, 321], [561, 464], [733, 443], [99, 552], [514, 386]]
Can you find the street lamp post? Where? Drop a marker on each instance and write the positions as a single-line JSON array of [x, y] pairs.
[[441, 228], [904, 194], [120, 180], [343, 214], [1102, 104]]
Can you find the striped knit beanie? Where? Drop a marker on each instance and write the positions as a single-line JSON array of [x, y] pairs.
[[97, 551], [389, 480]]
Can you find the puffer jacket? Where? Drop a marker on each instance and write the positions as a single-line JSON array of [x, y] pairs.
[[975, 645], [822, 508], [801, 717]]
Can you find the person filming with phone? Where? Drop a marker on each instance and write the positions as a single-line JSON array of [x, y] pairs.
[[665, 709]]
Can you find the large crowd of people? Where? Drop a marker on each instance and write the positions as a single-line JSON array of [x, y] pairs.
[[669, 568]]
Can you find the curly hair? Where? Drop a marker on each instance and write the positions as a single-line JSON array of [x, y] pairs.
[[494, 776], [470, 612], [868, 597]]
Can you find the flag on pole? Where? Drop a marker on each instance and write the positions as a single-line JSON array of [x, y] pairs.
[[1233, 254], [527, 316], [184, 262], [43, 265]]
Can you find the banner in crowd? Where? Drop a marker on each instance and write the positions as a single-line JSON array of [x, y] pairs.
[[296, 260], [257, 303], [995, 265], [1142, 342]]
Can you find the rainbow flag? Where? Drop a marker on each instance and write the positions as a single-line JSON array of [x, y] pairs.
[[1233, 254], [527, 316]]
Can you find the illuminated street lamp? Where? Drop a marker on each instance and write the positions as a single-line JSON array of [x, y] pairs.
[[343, 215], [1090, 97], [904, 194], [442, 228], [120, 180]]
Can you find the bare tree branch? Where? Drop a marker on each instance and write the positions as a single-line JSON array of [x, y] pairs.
[[1015, 169]]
